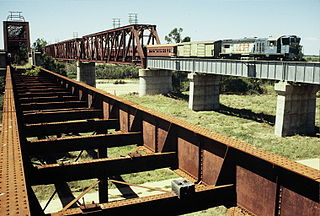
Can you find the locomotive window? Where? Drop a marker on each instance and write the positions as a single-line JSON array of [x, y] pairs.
[[272, 43], [285, 41], [227, 46]]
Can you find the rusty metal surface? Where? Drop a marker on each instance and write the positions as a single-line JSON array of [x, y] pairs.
[[13, 190], [122, 45], [98, 168], [292, 203], [209, 157], [76, 126], [16, 35], [256, 193], [161, 204], [202, 156], [66, 144]]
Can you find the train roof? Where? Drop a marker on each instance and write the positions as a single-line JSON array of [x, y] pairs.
[[277, 37], [161, 45], [197, 42]]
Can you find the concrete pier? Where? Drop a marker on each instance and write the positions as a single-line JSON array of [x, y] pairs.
[[86, 73], [204, 92], [296, 109], [153, 82]]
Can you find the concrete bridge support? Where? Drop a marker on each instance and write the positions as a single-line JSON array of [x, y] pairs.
[[86, 73], [296, 109], [154, 81], [204, 92]]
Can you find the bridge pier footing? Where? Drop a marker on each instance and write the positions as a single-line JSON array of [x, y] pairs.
[[154, 81], [86, 73], [296, 109], [204, 92]]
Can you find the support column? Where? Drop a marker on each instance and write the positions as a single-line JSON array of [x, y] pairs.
[[296, 109], [152, 81], [204, 92], [86, 73], [103, 184]]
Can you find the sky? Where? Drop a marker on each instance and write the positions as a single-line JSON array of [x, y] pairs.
[[57, 20]]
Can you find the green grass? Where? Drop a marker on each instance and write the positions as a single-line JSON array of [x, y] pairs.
[[248, 118], [217, 211]]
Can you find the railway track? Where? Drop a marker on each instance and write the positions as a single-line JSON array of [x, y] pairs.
[[226, 172]]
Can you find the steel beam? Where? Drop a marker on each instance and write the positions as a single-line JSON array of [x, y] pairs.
[[13, 188], [57, 115], [78, 126], [66, 144], [47, 99], [162, 204], [99, 168], [53, 105]]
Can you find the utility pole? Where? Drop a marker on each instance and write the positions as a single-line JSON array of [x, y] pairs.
[[116, 22], [133, 18]]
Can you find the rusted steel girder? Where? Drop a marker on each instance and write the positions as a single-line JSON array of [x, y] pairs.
[[214, 159], [99, 168], [162, 204], [122, 45], [13, 189], [207, 158], [66, 144], [79, 126]]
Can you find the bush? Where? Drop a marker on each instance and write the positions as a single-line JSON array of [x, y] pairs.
[[49, 63], [180, 82], [241, 85], [32, 72], [108, 71]]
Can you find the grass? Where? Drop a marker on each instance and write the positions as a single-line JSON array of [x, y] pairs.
[[248, 118]]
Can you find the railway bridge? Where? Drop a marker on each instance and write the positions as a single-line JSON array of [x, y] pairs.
[[297, 82], [48, 115]]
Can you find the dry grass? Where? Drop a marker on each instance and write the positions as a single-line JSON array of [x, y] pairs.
[[248, 118]]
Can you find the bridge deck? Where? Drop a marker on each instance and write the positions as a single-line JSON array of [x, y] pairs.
[[227, 172], [302, 72]]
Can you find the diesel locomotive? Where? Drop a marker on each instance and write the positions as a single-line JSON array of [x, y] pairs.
[[285, 47]]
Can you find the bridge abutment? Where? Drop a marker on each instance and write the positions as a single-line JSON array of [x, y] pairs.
[[204, 92], [296, 109], [86, 73], [154, 81]]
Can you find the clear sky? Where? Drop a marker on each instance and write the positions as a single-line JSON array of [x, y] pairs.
[[56, 20]]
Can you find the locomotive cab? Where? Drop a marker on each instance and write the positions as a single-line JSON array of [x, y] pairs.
[[290, 47]]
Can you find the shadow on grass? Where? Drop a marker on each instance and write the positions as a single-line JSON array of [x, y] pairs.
[[177, 95], [247, 114]]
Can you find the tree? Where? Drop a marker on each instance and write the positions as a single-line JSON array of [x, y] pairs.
[[39, 44], [175, 36]]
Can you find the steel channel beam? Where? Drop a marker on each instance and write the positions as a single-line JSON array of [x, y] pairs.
[[48, 99], [162, 204], [80, 126], [101, 168], [13, 189], [56, 115], [66, 144], [53, 105]]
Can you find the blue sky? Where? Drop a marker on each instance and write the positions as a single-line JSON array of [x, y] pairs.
[[56, 20]]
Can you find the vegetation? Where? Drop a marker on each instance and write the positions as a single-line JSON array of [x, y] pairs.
[[32, 72], [110, 71], [175, 36], [20, 55], [248, 118], [312, 58]]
